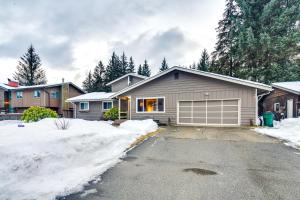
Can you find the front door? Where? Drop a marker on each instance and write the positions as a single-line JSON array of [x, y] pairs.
[[290, 108]]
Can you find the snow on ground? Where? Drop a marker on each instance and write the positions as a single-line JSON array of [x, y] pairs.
[[39, 161], [287, 129]]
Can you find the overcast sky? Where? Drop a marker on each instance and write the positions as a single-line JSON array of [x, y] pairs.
[[72, 36]]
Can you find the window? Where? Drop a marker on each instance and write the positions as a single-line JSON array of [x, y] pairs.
[[149, 104], [276, 107], [37, 94], [54, 95], [106, 105], [84, 106], [19, 94]]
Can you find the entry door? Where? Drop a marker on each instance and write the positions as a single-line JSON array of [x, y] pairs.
[[290, 108]]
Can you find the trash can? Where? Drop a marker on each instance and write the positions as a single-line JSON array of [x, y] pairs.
[[268, 119]]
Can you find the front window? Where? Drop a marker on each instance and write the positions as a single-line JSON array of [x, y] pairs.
[[107, 105], [276, 107], [37, 94], [156, 104], [84, 106], [19, 94], [54, 94]]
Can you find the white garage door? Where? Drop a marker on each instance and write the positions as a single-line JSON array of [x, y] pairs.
[[209, 112]]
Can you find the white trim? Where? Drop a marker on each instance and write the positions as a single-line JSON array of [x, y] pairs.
[[129, 74], [197, 72], [88, 106], [274, 107], [112, 105], [119, 108], [129, 109], [256, 107], [143, 112], [206, 116], [285, 89]]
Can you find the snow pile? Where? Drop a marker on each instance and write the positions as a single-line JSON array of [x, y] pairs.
[[40, 162], [287, 129], [140, 126]]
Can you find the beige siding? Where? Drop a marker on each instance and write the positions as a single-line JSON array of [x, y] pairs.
[[123, 83], [28, 99], [1, 99], [192, 87]]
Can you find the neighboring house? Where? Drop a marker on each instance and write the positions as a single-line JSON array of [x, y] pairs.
[[183, 96], [285, 99], [15, 98], [93, 105]]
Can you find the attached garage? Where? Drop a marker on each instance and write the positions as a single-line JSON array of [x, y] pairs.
[[209, 112]]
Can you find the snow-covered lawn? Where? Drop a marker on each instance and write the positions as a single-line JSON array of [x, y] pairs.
[[288, 130], [39, 161]]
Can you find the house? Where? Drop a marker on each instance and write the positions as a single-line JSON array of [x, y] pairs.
[[182, 96], [284, 99], [15, 98], [93, 105]]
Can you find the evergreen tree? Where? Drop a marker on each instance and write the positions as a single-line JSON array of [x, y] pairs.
[[123, 64], [164, 65], [140, 70], [130, 68], [98, 79], [29, 71], [113, 69], [146, 69], [204, 61], [193, 66], [88, 83]]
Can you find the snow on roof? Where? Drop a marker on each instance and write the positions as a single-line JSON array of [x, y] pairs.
[[292, 86], [93, 96]]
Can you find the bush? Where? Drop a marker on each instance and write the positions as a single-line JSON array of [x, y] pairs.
[[111, 114], [36, 113]]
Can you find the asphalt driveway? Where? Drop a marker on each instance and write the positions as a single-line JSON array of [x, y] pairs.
[[202, 163]]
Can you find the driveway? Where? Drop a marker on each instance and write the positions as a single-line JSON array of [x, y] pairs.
[[202, 163]]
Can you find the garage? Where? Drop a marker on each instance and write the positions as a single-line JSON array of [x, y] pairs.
[[209, 112]]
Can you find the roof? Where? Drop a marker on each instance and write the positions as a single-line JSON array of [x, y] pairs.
[[201, 73], [293, 86], [38, 86], [129, 74], [93, 96]]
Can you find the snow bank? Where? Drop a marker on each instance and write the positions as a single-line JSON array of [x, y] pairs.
[[287, 129], [40, 162]]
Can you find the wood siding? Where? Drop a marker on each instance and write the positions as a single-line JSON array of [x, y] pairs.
[[192, 87], [123, 83], [281, 96], [1, 99], [95, 111]]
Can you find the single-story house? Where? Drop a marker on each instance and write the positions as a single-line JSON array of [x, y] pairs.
[[284, 99], [183, 96]]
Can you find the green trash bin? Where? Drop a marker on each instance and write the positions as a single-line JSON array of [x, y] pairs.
[[268, 119]]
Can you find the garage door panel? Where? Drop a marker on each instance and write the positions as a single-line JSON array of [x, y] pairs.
[[185, 114], [213, 120], [185, 109], [230, 108], [230, 115], [199, 109], [214, 103], [185, 120], [230, 102], [199, 120], [214, 109], [199, 103], [185, 103], [214, 115], [199, 114]]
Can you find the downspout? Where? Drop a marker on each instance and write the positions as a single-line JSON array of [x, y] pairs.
[[74, 110]]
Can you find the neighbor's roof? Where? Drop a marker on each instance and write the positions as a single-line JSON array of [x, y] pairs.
[[293, 86], [201, 73], [93, 96], [129, 74], [39, 86]]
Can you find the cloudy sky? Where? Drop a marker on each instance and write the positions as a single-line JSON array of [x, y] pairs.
[[72, 36]]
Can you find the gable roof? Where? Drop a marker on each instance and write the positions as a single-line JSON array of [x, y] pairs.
[[39, 86], [129, 74], [292, 86], [201, 73], [93, 96]]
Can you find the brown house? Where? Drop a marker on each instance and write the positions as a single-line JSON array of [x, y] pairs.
[[15, 99], [284, 99]]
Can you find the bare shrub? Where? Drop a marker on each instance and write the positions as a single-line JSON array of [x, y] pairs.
[[62, 123]]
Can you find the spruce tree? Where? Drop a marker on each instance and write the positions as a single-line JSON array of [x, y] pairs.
[[204, 61], [99, 78], [29, 71], [123, 64], [130, 68], [88, 83], [140, 70], [146, 69], [164, 65], [113, 69]]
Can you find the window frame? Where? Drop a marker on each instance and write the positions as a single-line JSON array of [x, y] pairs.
[[36, 91], [112, 105], [18, 96], [84, 102], [56, 94], [274, 107], [143, 98]]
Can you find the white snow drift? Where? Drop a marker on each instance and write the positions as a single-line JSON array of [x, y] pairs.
[[288, 130], [40, 162]]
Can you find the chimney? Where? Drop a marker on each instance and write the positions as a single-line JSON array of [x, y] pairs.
[[12, 83]]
